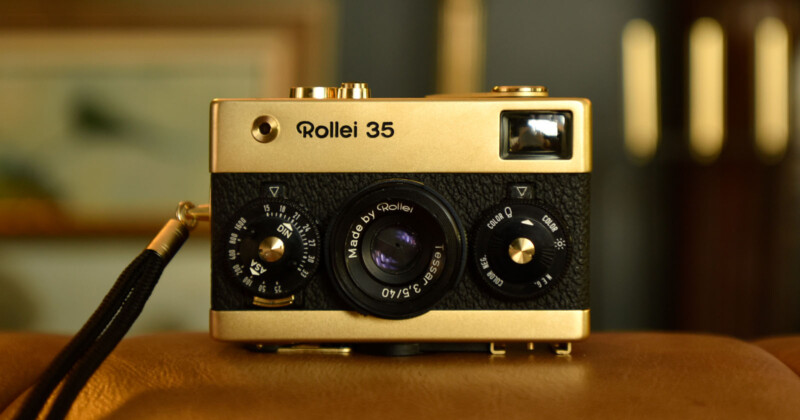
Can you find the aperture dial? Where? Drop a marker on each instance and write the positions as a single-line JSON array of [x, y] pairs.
[[272, 248], [521, 249]]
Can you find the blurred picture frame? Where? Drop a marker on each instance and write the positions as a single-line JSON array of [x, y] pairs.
[[105, 128]]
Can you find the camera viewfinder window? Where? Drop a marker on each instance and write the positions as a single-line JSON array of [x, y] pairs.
[[536, 135]]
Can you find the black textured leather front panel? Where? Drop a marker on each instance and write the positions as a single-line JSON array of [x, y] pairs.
[[469, 194]]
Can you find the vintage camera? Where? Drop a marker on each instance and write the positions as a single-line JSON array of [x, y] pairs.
[[343, 218]]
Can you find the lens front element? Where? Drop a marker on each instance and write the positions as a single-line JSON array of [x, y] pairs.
[[395, 249]]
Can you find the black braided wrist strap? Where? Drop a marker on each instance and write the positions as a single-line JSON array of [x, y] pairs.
[[109, 323]]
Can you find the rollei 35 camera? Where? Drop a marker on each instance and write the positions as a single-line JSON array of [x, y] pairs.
[[448, 220]]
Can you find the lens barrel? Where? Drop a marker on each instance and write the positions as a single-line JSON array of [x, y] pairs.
[[395, 249]]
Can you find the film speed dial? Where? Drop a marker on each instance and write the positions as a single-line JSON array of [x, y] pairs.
[[272, 248], [520, 249]]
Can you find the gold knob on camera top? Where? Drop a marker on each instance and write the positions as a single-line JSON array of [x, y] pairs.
[[525, 91], [348, 90], [353, 90], [312, 92]]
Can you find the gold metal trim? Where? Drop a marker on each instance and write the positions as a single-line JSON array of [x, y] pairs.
[[312, 92], [262, 134], [353, 90], [313, 349], [273, 303], [169, 239], [200, 213], [430, 135], [494, 94], [284, 327], [561, 349], [497, 349], [540, 91], [189, 214], [271, 249], [521, 250]]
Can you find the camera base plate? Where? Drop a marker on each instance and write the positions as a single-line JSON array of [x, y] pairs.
[[404, 349], [438, 326]]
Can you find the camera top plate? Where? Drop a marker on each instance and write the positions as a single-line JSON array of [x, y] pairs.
[[433, 134]]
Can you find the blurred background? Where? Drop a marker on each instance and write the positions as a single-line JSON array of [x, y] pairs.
[[696, 182]]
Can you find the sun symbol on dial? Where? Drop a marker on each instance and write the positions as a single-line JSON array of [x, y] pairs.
[[560, 244]]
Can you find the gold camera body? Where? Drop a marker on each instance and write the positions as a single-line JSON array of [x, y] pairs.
[[339, 217]]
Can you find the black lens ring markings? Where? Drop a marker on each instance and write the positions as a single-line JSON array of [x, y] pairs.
[[427, 208]]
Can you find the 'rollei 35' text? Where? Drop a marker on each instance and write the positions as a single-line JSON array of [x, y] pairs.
[[335, 129]]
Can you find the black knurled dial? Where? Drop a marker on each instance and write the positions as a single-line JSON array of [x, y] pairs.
[[272, 248], [520, 250]]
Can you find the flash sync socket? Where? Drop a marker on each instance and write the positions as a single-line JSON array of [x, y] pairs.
[[536, 135], [265, 128]]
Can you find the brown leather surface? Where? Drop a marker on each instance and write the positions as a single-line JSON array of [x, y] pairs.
[[611, 375], [23, 357], [786, 349]]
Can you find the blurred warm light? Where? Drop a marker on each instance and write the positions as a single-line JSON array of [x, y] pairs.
[[706, 89], [771, 89], [461, 46], [640, 89], [795, 97]]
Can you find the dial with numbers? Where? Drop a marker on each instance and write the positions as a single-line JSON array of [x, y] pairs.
[[521, 249], [272, 248]]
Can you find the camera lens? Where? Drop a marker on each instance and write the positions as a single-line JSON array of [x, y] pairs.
[[395, 249]]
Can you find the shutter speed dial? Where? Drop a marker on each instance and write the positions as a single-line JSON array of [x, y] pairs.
[[272, 248], [521, 250]]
